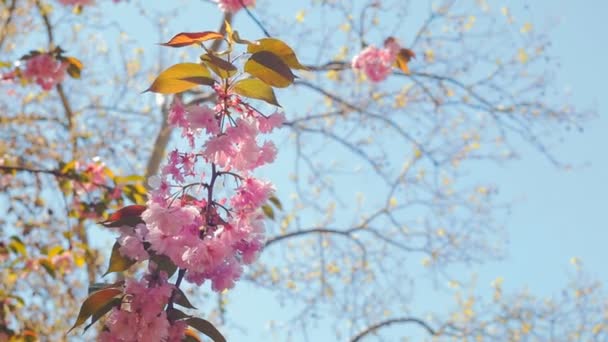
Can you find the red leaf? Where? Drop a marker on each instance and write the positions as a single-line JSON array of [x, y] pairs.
[[127, 216], [189, 38]]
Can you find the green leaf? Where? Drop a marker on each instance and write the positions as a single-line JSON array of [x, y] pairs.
[[179, 297], [269, 68], [268, 211], [256, 89], [95, 303], [279, 48], [206, 328], [181, 77], [220, 67], [118, 262]]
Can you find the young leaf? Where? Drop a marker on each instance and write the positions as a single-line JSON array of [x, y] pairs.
[[181, 77], [164, 264], [189, 38], [74, 66], [190, 336], [94, 303], [127, 216], [48, 267], [220, 67], [206, 328], [269, 68], [54, 251], [118, 262], [176, 315], [256, 89], [279, 48], [115, 302], [268, 211], [179, 297], [17, 246], [100, 286], [403, 58], [274, 200]]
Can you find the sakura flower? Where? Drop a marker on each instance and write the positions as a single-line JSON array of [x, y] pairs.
[[232, 6], [374, 62], [45, 70], [202, 117], [266, 125]]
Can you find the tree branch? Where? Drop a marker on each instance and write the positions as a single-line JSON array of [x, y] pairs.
[[404, 320]]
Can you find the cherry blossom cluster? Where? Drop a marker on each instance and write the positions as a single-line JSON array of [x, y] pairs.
[[232, 6], [45, 70], [375, 62], [207, 232]]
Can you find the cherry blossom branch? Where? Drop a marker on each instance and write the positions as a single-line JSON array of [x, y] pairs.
[[164, 133]]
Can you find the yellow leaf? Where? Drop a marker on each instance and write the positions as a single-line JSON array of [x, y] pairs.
[[300, 16], [526, 28], [392, 202], [181, 77], [279, 48], [522, 56], [220, 67], [255, 89], [54, 251], [118, 262], [269, 68], [74, 66]]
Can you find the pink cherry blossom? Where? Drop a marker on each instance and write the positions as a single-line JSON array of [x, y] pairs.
[[131, 242], [202, 117], [275, 120], [45, 70], [376, 63], [208, 235], [251, 194], [144, 318], [233, 6]]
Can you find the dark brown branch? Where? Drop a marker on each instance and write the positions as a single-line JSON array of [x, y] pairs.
[[253, 17], [55, 173], [404, 320]]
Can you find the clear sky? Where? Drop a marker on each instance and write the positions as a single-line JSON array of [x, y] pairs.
[[558, 214]]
